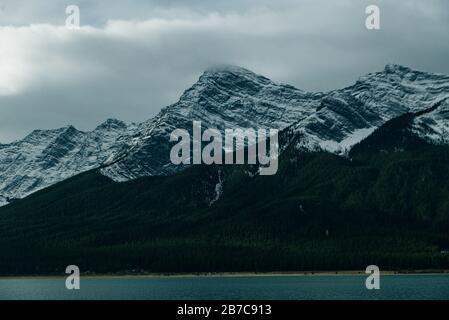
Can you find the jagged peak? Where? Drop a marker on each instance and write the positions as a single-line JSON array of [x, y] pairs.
[[111, 123], [41, 132], [228, 68], [396, 73], [70, 129], [390, 71], [405, 71], [396, 68], [222, 78], [225, 71]]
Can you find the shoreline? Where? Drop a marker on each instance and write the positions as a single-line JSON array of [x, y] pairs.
[[230, 274]]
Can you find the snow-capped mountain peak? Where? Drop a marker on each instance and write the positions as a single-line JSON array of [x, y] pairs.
[[111, 124], [45, 157], [350, 114], [228, 97], [223, 97]]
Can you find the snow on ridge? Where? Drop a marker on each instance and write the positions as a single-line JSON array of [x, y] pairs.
[[227, 97], [313, 143], [434, 126], [45, 157], [346, 144], [224, 97]]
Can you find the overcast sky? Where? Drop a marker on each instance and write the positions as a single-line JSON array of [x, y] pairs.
[[131, 58]]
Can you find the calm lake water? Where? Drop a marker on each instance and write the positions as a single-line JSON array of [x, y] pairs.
[[222, 288]]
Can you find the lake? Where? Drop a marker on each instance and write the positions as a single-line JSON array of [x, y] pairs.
[[230, 287]]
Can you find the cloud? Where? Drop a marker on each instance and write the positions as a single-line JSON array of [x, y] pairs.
[[129, 61]]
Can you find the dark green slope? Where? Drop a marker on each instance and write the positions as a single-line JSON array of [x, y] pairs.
[[386, 204]]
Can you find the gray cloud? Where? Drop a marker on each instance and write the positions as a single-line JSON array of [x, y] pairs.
[[131, 59]]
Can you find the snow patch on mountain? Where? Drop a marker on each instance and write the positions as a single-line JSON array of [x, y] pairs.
[[346, 144]]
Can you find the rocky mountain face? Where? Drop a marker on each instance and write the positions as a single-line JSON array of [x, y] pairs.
[[226, 97], [434, 126], [45, 157], [229, 97], [349, 115]]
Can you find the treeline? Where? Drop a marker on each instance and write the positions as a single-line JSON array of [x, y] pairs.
[[200, 255]]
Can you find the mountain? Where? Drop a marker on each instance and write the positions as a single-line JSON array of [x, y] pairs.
[[223, 97], [385, 203], [228, 97], [231, 97], [348, 115], [3, 201], [45, 157], [363, 179], [434, 126]]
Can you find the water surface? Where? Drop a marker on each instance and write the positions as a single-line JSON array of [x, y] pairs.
[[230, 287]]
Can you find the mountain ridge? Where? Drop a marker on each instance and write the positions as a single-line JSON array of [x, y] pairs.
[[227, 97]]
